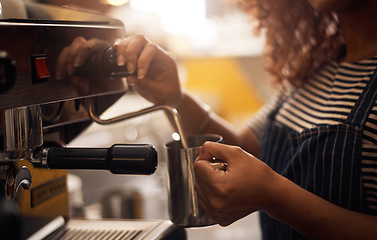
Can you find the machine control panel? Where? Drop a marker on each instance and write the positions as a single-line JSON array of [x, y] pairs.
[[28, 72]]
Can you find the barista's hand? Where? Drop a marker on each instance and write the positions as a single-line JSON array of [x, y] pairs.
[[246, 186], [72, 57], [156, 76]]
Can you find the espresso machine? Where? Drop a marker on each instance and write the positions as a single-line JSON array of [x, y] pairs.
[[40, 114]]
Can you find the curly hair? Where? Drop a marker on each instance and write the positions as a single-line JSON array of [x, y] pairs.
[[299, 39]]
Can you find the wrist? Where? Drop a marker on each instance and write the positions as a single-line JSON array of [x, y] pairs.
[[207, 119], [195, 114], [278, 187], [180, 100]]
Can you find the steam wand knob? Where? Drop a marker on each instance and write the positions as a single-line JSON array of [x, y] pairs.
[[102, 64]]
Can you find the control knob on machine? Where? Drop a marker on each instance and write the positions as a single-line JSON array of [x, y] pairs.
[[102, 64], [7, 72]]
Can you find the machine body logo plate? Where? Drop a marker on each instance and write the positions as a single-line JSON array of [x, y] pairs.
[[48, 190]]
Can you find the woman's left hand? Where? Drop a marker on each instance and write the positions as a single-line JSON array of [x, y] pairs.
[[245, 186]]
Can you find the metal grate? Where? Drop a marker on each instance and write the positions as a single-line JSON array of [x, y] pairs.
[[112, 229], [80, 234]]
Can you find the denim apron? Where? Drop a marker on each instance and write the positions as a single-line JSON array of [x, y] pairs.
[[325, 160]]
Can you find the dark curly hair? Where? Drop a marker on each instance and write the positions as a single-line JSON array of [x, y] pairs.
[[299, 39]]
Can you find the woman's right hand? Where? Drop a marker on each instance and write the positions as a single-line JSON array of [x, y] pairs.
[[154, 73]]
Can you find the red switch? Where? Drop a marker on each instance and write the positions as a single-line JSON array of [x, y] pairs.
[[41, 70]]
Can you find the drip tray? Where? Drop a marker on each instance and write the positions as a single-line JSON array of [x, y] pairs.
[[85, 229]]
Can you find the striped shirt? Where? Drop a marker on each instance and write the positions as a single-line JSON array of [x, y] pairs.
[[327, 98]]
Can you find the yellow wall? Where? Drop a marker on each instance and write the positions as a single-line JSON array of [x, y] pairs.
[[223, 79]]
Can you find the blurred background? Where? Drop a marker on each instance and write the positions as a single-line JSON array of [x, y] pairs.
[[220, 61]]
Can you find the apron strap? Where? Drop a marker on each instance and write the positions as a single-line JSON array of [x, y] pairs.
[[364, 104]]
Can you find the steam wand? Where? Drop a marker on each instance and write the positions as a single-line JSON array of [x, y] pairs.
[[170, 110]]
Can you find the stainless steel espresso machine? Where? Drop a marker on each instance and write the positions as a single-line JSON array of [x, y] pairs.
[[40, 114]]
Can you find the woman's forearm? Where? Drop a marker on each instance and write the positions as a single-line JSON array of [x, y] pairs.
[[198, 119], [317, 218]]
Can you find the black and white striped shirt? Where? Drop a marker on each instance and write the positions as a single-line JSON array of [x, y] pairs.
[[327, 98]]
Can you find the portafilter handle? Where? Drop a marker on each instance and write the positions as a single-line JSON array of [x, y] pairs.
[[118, 159]]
